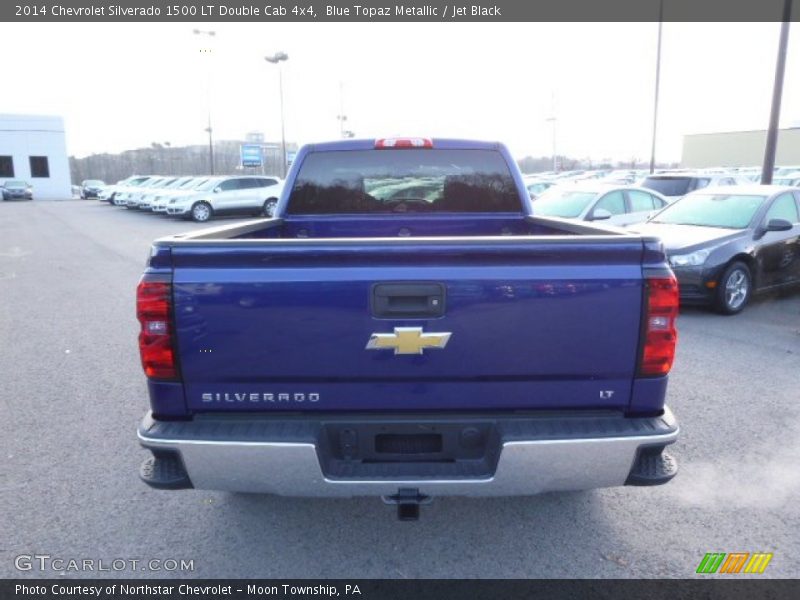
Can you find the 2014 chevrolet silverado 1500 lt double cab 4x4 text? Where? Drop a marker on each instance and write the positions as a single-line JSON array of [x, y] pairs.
[[406, 326]]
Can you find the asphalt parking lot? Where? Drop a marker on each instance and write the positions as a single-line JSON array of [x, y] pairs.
[[73, 393]]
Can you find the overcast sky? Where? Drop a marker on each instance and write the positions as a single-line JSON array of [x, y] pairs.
[[121, 86]]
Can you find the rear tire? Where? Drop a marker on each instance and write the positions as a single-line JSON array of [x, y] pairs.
[[734, 289], [269, 206], [201, 212]]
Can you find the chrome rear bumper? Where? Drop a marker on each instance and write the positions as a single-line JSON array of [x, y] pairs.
[[237, 455]]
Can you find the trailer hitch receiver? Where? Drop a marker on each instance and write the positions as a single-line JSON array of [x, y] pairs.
[[408, 501]]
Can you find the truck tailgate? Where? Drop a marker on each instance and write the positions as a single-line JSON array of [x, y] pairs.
[[534, 323]]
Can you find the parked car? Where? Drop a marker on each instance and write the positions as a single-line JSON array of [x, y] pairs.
[[790, 179], [783, 171], [16, 189], [109, 191], [727, 243], [163, 198], [622, 177], [676, 185], [91, 188], [229, 195], [537, 186], [596, 201], [406, 347], [123, 192], [136, 197], [149, 196]]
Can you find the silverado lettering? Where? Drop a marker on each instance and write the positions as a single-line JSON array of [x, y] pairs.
[[259, 397]]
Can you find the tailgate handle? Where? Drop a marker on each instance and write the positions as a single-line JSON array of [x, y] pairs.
[[407, 300]]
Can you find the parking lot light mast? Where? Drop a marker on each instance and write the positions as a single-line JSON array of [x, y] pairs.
[[777, 92], [658, 82], [210, 34], [276, 59], [552, 119]]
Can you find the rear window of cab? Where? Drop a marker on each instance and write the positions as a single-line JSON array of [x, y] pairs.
[[404, 181]]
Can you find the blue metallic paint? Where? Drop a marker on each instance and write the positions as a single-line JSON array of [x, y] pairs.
[[528, 318]]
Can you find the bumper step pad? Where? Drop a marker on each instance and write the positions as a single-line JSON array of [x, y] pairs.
[[652, 469], [165, 472]]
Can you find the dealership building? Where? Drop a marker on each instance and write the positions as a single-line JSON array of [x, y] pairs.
[[33, 148], [739, 148]]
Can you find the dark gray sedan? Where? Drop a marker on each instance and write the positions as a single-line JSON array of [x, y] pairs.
[[727, 243], [16, 189]]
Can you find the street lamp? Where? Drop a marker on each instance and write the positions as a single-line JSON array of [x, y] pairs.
[[552, 119], [210, 34], [276, 59], [555, 156], [341, 117], [777, 93], [658, 82]]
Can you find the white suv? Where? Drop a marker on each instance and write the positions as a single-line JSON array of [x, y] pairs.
[[230, 195]]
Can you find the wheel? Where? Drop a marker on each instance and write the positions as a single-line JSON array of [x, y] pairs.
[[269, 206], [201, 212], [734, 289]]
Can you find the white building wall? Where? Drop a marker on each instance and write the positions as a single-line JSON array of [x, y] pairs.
[[23, 136]]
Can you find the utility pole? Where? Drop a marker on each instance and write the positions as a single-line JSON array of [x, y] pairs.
[[210, 34], [552, 119], [276, 59], [658, 82], [777, 93]]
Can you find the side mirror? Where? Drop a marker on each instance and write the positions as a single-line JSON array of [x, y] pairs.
[[778, 225], [217, 190], [600, 214]]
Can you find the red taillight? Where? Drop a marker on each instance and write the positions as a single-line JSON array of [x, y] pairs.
[[660, 335], [155, 339], [385, 143]]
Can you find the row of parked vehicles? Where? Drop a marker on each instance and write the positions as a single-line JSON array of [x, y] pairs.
[[628, 197], [199, 198], [726, 239], [726, 236]]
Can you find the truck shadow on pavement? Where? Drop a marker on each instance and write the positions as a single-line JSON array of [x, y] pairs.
[[454, 537]]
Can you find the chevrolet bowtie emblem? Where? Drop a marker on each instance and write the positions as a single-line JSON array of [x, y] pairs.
[[407, 340]]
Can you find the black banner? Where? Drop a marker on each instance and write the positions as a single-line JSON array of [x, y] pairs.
[[380, 589], [446, 11]]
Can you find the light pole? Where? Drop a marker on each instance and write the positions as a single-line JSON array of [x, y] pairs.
[[777, 92], [276, 59], [553, 120], [555, 156], [210, 34], [341, 117], [658, 81]]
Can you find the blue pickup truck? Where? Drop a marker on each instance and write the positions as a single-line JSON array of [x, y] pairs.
[[405, 326]]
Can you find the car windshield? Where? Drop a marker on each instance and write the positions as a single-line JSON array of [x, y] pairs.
[[562, 203], [729, 211], [537, 187], [15, 183], [178, 183], [675, 186], [404, 181], [89, 182], [207, 185], [190, 184]]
